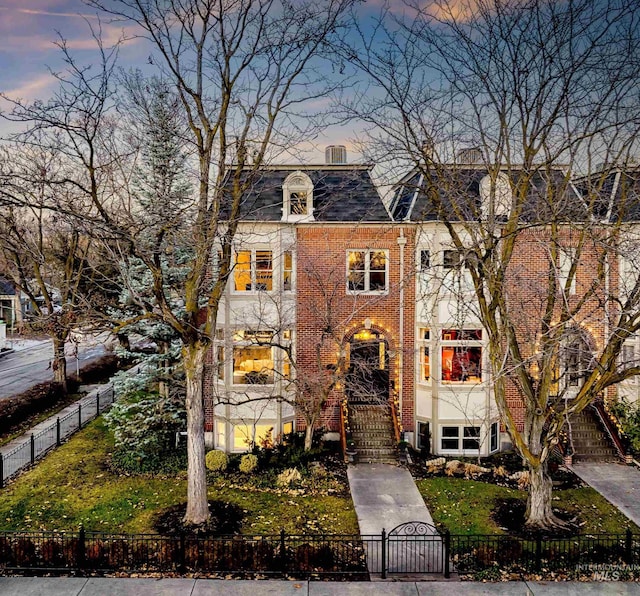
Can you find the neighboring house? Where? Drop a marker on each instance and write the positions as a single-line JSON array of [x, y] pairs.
[[328, 280], [10, 309]]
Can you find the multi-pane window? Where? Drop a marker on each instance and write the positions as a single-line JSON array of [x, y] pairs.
[[424, 348], [298, 204], [461, 355], [253, 363], [246, 436], [367, 271], [287, 271], [253, 271], [450, 438], [297, 197], [460, 438]]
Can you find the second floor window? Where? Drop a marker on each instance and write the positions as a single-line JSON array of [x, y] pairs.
[[367, 271], [253, 271]]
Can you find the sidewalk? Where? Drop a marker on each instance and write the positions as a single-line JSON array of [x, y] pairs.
[[69, 586], [618, 483]]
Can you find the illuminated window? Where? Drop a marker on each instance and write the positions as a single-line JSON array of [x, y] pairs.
[[287, 271], [253, 271], [297, 197], [461, 356], [367, 271], [287, 428], [246, 436], [220, 363], [424, 350]]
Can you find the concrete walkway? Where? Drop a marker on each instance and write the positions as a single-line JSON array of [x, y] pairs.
[[68, 586], [385, 496], [618, 483]]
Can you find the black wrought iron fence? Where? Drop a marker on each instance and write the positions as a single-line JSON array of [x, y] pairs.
[[470, 554], [281, 554], [351, 557], [60, 429]]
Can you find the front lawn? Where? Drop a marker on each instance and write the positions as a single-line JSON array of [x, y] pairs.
[[466, 506], [74, 485]]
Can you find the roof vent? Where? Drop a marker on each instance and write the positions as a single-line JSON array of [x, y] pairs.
[[335, 154], [470, 155]]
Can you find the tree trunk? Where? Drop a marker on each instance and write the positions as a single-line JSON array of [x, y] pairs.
[[59, 363], [539, 514], [308, 437], [164, 369], [197, 504]]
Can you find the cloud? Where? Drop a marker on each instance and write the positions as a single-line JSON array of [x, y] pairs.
[[50, 13], [33, 88]]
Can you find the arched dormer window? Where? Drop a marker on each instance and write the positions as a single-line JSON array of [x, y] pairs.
[[297, 199], [496, 196]]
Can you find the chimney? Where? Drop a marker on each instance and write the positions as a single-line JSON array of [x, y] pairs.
[[335, 154], [470, 155]]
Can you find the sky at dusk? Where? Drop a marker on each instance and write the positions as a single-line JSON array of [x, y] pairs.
[[29, 30]]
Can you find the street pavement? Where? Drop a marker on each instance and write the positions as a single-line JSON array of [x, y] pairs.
[[68, 586], [29, 363], [618, 483]]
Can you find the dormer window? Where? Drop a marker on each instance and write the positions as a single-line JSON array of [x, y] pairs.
[[297, 198]]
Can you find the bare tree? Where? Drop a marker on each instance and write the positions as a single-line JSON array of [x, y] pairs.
[[544, 91], [242, 71], [48, 259]]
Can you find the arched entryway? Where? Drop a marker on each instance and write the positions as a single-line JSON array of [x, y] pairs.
[[367, 379]]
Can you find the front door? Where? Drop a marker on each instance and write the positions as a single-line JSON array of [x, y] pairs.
[[368, 375]]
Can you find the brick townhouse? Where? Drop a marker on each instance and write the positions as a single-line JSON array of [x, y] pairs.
[[328, 276]]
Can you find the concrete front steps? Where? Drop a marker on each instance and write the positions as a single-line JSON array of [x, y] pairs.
[[590, 441], [372, 432]]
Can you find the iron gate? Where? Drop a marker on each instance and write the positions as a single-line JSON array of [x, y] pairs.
[[415, 548]]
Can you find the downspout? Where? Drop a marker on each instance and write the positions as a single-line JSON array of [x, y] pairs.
[[402, 241]]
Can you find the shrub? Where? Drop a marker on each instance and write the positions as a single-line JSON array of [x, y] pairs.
[[248, 463], [217, 461], [144, 425]]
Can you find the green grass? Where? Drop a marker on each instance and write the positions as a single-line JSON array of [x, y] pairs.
[[73, 485], [464, 506]]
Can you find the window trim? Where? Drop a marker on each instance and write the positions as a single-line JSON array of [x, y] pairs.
[[460, 438], [424, 347], [367, 272], [493, 425], [566, 258], [297, 181], [291, 271], [462, 343], [253, 270]]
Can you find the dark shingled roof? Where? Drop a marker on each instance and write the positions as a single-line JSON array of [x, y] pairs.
[[6, 287], [341, 194], [618, 193], [459, 186]]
